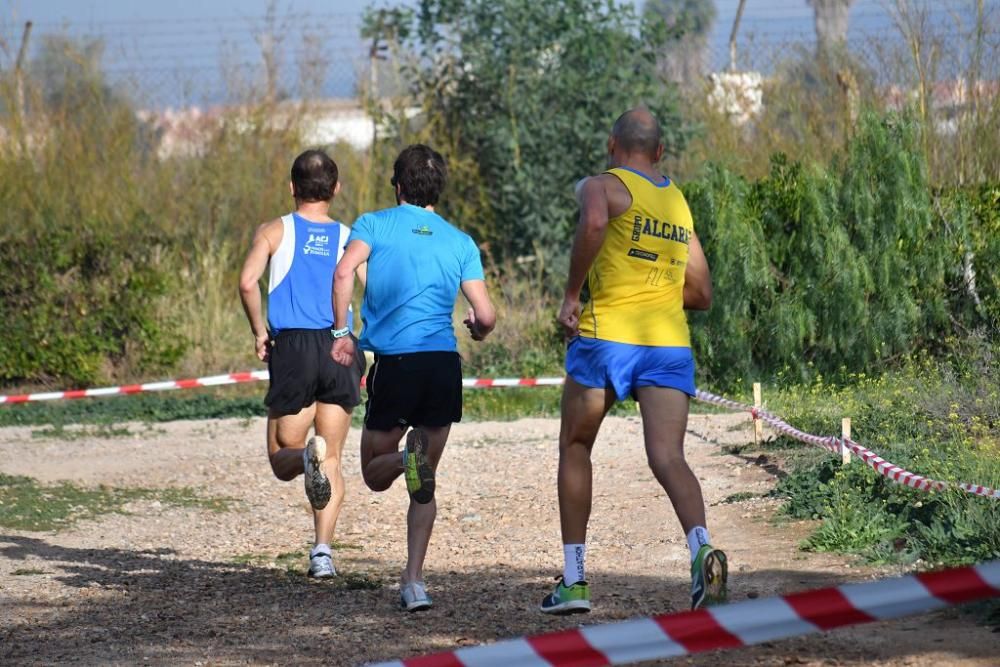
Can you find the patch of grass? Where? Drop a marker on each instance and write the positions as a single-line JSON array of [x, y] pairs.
[[25, 504], [102, 431], [738, 497], [27, 572], [900, 416], [345, 546], [359, 581]]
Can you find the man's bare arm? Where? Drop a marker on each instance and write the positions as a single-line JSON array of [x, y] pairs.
[[343, 290], [697, 278], [590, 232], [253, 268], [482, 317]]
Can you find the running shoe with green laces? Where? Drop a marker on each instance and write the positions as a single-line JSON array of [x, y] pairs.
[[709, 574], [573, 599], [417, 468]]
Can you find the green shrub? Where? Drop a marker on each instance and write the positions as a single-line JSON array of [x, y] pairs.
[[930, 418], [79, 300]]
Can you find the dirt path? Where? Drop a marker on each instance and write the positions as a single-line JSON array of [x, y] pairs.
[[170, 585]]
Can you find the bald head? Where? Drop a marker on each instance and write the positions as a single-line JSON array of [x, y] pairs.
[[636, 131]]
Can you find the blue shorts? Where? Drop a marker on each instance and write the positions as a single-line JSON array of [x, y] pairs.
[[602, 364]]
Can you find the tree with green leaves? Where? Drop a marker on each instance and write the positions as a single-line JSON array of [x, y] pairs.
[[520, 96]]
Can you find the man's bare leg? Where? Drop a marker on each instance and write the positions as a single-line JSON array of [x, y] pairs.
[[286, 438], [583, 410], [333, 423], [664, 422], [382, 463], [420, 517]]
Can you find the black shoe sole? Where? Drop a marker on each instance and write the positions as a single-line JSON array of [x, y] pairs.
[[416, 442], [318, 489]]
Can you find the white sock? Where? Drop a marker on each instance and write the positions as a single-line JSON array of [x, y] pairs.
[[574, 555], [320, 549], [696, 539]]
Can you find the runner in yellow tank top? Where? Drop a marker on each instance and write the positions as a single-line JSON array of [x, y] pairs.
[[635, 246], [637, 279]]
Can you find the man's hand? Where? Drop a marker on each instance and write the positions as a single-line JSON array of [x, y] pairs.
[[473, 326], [569, 316], [262, 346], [343, 350]]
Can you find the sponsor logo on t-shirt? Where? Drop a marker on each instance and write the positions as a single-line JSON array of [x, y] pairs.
[[643, 254], [423, 230], [318, 244]]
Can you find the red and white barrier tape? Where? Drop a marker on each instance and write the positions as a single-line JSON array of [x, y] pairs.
[[166, 385], [880, 465], [876, 462], [729, 626], [236, 378]]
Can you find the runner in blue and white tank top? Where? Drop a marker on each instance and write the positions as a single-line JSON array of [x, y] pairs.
[[307, 389], [301, 272]]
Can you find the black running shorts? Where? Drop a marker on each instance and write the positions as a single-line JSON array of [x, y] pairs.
[[418, 389], [303, 372]]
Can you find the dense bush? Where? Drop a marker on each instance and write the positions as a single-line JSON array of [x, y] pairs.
[[78, 300], [848, 266]]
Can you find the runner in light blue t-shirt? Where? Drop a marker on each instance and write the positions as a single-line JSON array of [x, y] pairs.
[[417, 263]]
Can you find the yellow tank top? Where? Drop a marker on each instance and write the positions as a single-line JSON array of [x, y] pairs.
[[636, 284]]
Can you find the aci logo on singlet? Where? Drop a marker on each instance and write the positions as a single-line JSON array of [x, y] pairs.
[[318, 244]]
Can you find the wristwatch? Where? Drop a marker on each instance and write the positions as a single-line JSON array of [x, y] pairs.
[[340, 333]]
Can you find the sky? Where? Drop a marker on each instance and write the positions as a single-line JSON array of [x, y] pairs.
[[193, 51]]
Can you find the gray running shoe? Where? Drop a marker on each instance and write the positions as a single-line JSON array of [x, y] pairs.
[[413, 597], [321, 566], [316, 481]]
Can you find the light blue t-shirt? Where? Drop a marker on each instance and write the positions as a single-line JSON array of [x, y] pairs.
[[417, 264]]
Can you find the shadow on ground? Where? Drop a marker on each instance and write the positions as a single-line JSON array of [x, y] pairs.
[[128, 607]]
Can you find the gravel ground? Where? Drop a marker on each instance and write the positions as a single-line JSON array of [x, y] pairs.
[[181, 585]]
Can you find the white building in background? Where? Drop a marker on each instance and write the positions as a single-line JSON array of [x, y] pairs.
[[188, 132], [738, 95]]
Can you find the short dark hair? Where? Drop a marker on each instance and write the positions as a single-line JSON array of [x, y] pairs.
[[421, 174], [314, 176], [637, 131]]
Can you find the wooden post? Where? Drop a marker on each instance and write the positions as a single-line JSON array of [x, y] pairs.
[[758, 425], [845, 433]]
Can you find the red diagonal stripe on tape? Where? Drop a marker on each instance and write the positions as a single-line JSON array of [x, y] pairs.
[[188, 384], [954, 586], [435, 660], [827, 608], [130, 389], [528, 382], [483, 382], [567, 648], [697, 631], [23, 398], [75, 393], [248, 377]]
